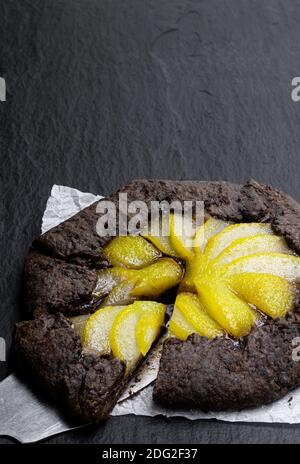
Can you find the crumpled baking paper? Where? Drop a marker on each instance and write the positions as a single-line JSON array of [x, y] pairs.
[[63, 203]]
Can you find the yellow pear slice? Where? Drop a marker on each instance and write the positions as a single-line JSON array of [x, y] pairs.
[[179, 327], [194, 268], [196, 315], [123, 341], [130, 251], [163, 244], [207, 230], [121, 285], [199, 262], [122, 336], [271, 294], [219, 242], [155, 279], [107, 279], [161, 238], [95, 335], [250, 245], [232, 313], [78, 323], [120, 294], [181, 235], [282, 265], [149, 325]]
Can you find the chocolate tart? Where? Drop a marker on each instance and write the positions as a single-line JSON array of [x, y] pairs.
[[60, 276]]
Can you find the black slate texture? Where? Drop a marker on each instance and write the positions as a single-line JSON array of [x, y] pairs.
[[100, 92]]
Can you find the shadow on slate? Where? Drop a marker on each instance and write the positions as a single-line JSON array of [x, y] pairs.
[[100, 92]]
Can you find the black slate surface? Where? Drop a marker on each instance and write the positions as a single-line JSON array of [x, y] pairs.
[[103, 91]]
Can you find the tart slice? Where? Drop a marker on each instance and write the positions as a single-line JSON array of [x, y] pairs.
[[91, 357]]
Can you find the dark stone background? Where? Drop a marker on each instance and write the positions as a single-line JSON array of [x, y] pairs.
[[103, 91]]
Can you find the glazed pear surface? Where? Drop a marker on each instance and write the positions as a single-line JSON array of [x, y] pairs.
[[126, 332], [230, 277], [239, 273]]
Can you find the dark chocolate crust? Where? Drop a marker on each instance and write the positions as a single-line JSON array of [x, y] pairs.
[[56, 285], [60, 274], [76, 239], [49, 350], [220, 374]]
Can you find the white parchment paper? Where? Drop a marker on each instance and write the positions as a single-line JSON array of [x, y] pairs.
[[63, 203]]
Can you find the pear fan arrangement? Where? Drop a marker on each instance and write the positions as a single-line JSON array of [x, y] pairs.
[[230, 277]]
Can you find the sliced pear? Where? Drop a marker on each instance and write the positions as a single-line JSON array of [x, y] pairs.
[[271, 294], [207, 230], [196, 315], [123, 340], [194, 268], [187, 283], [95, 335], [250, 245], [163, 244], [122, 336], [123, 285], [149, 325], [222, 240], [181, 235], [120, 294], [79, 322], [282, 265], [157, 278], [130, 251], [161, 238], [232, 313], [108, 278], [179, 326]]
